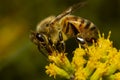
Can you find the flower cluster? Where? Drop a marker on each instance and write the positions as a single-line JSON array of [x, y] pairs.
[[99, 61]]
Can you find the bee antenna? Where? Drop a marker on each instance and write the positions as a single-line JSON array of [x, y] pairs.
[[68, 11]]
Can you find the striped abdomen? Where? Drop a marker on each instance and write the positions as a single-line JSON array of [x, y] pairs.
[[72, 26]]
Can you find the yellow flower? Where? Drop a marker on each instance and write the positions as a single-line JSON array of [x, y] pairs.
[[53, 70], [117, 76], [99, 61], [78, 60], [61, 60]]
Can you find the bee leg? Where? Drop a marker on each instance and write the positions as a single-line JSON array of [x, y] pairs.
[[81, 42], [42, 50], [61, 44], [51, 45]]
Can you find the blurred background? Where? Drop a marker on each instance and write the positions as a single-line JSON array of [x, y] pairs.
[[19, 57]]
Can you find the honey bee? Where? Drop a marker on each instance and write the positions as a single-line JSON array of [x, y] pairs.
[[52, 32]]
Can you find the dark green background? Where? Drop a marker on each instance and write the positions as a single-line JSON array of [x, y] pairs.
[[19, 57]]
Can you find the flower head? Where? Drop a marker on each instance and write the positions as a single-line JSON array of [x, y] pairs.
[[54, 70], [99, 61]]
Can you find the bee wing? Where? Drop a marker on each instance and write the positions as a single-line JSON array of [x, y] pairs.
[[68, 11]]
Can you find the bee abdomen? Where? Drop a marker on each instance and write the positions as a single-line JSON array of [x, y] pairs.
[[88, 25], [71, 29]]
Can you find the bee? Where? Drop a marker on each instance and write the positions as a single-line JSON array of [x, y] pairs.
[[52, 32]]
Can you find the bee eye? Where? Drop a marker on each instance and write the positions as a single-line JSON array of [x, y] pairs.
[[40, 37]]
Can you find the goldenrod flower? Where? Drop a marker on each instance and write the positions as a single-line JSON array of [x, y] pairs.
[[61, 60], [99, 61], [53, 70]]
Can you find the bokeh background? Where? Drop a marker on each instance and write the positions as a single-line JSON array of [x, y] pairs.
[[19, 57]]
